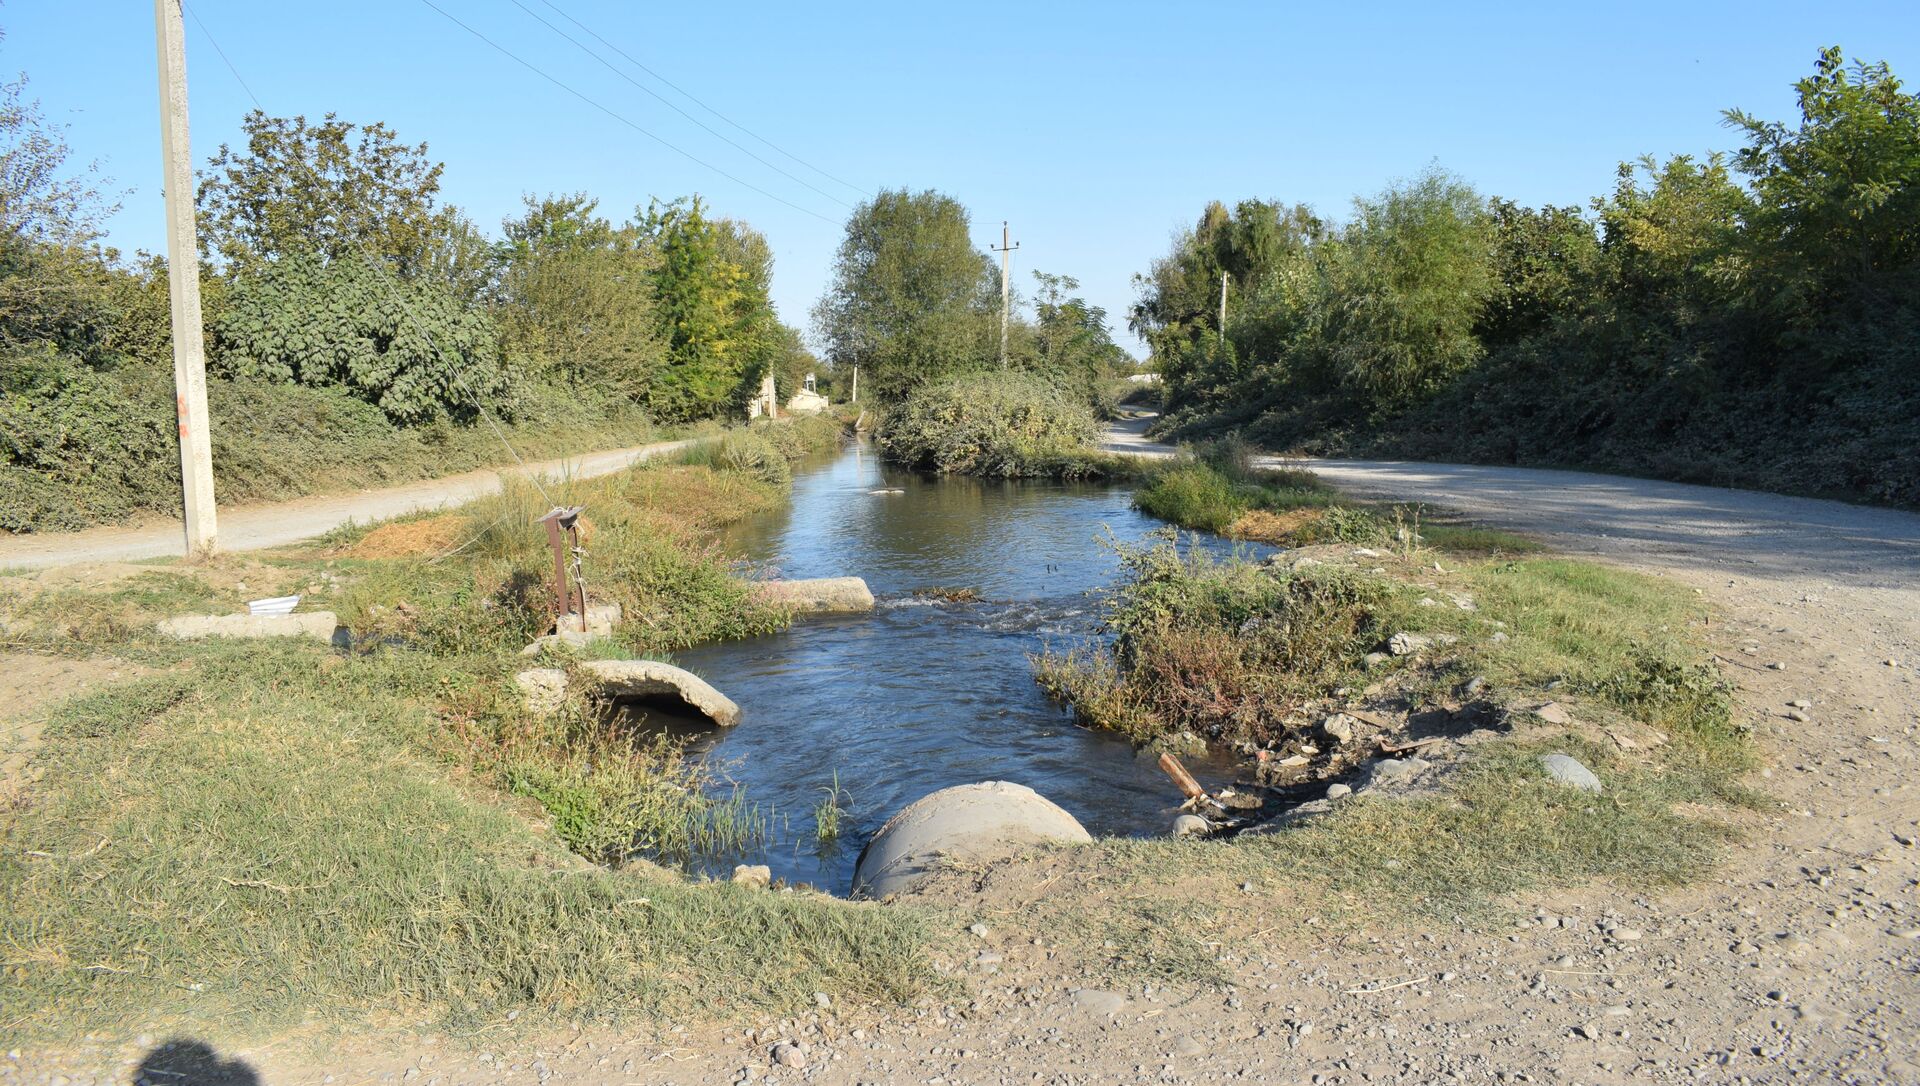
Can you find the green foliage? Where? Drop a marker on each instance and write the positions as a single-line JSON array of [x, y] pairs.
[[574, 297], [911, 299], [994, 424], [710, 287], [1191, 494], [406, 347], [300, 188], [1691, 327]]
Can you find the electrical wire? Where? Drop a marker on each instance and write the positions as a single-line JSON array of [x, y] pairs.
[[690, 97], [721, 136], [398, 297], [542, 73]]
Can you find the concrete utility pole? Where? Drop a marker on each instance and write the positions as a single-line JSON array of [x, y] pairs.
[[1223, 309], [1006, 287], [855, 398], [183, 282]]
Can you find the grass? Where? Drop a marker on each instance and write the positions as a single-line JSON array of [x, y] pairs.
[[269, 831], [1240, 651], [263, 838]]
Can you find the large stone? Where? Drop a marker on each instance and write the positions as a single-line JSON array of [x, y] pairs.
[[1566, 769], [652, 682], [822, 595], [971, 823], [319, 625], [1396, 772], [543, 689]]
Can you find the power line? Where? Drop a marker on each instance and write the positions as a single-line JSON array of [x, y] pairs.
[[237, 78], [690, 97], [535, 69], [400, 298], [665, 102]]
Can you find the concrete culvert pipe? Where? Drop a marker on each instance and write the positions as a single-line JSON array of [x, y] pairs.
[[969, 822], [651, 682]]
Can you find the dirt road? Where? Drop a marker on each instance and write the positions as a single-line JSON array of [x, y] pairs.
[[1798, 962], [271, 524]]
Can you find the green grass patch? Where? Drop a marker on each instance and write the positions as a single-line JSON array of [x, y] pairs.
[[270, 841]]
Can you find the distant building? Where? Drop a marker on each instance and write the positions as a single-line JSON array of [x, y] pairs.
[[807, 401]]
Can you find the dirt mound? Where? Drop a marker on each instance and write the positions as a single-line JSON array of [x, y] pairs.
[[411, 538]]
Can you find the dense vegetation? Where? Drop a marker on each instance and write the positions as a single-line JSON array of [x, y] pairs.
[[356, 325], [1747, 320]]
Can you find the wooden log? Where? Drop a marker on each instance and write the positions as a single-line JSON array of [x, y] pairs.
[[1172, 767]]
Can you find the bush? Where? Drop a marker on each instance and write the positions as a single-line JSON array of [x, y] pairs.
[[995, 424]]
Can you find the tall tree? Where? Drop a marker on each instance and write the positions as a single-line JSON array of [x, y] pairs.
[[709, 287], [574, 296], [909, 297], [330, 189]]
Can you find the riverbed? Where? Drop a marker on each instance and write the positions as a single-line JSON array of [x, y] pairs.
[[924, 692]]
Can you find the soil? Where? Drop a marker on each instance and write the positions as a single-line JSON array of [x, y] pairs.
[[1798, 961]]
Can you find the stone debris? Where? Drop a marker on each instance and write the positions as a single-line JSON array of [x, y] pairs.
[[1406, 644], [1191, 825], [1553, 713], [753, 876], [1099, 1002]]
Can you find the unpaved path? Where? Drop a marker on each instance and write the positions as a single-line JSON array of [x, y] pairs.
[[1799, 961], [271, 524]]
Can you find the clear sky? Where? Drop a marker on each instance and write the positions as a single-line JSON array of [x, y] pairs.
[[1097, 129]]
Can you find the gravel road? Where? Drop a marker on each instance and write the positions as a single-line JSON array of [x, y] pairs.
[[272, 524]]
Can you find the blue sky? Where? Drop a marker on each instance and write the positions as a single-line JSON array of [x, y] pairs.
[[1097, 129]]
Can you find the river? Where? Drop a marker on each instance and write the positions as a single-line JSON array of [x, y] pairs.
[[922, 694]]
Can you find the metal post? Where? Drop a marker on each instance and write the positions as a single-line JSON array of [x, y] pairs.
[[183, 283]]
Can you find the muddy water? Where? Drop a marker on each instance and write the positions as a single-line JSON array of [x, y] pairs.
[[923, 694]]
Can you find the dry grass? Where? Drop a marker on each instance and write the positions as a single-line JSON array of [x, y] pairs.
[[411, 538]]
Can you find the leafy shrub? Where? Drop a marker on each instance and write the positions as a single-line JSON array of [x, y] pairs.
[[1193, 495], [1222, 649], [993, 424], [408, 347]]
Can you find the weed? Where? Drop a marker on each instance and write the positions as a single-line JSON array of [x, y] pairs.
[[827, 813]]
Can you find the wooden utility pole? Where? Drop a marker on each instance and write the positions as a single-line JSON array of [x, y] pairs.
[[1006, 287], [1223, 309], [183, 282]]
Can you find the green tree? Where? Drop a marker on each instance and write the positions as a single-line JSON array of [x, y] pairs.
[[1838, 194], [1414, 269], [910, 298], [574, 296], [715, 318], [334, 189], [1070, 336]]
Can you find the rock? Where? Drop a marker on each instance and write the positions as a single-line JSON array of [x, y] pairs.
[[1474, 686], [1567, 770], [1339, 791], [821, 595], [319, 625], [1099, 1002], [1553, 713], [1339, 727], [753, 876], [1395, 772], [1798, 716], [1406, 644], [1375, 659], [653, 681], [1188, 825], [971, 822], [978, 931], [823, 1001], [1499, 637], [543, 689], [565, 639], [789, 1055], [1186, 1048], [602, 618]]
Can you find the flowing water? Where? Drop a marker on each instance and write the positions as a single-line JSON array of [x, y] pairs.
[[922, 694]]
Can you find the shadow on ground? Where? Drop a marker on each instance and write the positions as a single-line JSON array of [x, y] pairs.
[[183, 1062]]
